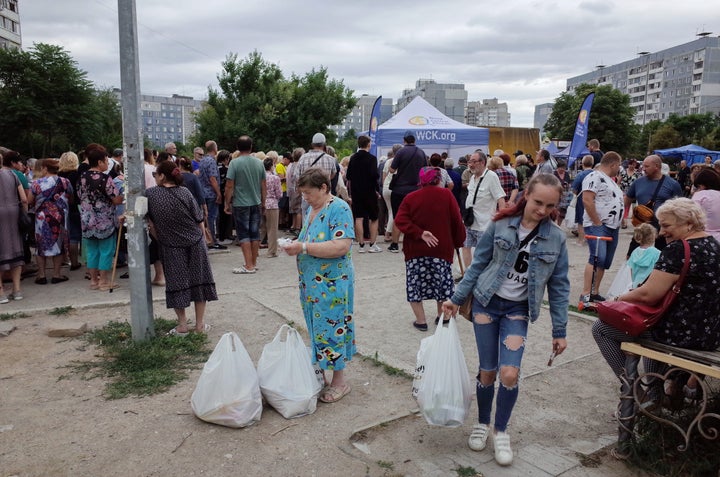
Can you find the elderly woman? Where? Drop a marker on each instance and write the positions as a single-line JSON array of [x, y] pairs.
[[430, 219], [707, 196], [98, 197], [176, 220], [69, 164], [520, 256], [693, 319], [51, 196], [326, 276], [12, 199]]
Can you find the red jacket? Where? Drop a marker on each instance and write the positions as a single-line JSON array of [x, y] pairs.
[[435, 209]]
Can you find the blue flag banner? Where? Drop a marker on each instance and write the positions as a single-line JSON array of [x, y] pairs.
[[581, 130], [374, 123]]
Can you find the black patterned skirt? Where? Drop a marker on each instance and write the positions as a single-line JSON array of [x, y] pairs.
[[428, 278]]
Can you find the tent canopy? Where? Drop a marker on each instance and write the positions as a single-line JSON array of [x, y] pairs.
[[434, 132], [691, 153]]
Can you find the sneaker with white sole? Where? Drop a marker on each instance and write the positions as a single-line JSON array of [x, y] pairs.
[[478, 437], [361, 249], [394, 248], [503, 451], [374, 249]]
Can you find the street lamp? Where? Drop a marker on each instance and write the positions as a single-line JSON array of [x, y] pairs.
[[600, 76]]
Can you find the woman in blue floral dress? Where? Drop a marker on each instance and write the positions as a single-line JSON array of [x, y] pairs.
[[327, 278], [51, 196]]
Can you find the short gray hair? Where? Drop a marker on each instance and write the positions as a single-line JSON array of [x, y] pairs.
[[685, 211]]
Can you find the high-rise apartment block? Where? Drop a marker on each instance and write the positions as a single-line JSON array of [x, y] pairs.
[[542, 112], [684, 79], [487, 112], [449, 98], [10, 36], [359, 118]]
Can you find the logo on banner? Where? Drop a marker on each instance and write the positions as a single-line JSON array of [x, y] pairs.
[[418, 121]]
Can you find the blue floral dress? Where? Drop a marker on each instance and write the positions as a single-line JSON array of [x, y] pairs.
[[52, 208], [327, 286]]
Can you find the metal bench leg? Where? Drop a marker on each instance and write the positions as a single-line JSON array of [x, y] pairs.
[[626, 408]]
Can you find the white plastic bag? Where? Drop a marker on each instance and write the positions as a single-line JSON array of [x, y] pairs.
[[287, 377], [442, 386], [228, 392], [621, 283]]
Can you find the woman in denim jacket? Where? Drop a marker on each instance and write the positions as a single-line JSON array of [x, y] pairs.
[[520, 255]]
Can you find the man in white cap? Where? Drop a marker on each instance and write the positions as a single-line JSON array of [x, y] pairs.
[[317, 157]]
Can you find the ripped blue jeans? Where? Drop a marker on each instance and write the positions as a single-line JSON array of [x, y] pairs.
[[500, 333]]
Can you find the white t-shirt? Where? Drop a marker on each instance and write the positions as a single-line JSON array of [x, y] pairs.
[[608, 199], [514, 286], [487, 197]]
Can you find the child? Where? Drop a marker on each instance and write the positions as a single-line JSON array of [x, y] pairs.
[[643, 258]]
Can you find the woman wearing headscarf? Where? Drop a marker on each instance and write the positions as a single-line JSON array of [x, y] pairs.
[[430, 219]]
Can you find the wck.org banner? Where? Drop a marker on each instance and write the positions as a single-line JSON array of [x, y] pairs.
[[581, 129]]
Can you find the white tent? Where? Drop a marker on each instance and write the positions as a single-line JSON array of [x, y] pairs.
[[434, 132]]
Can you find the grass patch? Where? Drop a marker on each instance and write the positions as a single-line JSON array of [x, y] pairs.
[[467, 472], [142, 368], [655, 447], [60, 310], [12, 316], [389, 370], [385, 465]]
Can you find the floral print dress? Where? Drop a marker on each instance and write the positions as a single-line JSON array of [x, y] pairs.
[[97, 212], [327, 286], [52, 209]]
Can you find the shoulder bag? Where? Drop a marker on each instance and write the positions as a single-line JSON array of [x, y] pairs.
[[25, 222], [633, 318], [643, 214], [468, 214]]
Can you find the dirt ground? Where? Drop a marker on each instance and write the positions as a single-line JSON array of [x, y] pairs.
[[55, 423]]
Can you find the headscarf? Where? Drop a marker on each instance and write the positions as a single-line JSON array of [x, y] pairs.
[[429, 176]]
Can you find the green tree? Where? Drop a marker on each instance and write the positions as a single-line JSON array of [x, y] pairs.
[[611, 117], [47, 100], [693, 127], [255, 98], [664, 138]]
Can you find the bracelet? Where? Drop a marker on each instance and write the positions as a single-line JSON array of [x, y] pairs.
[[304, 248]]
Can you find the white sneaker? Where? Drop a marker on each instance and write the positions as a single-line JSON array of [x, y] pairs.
[[478, 437], [374, 249], [503, 451], [361, 249]]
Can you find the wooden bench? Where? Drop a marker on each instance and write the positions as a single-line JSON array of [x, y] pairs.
[[633, 396]]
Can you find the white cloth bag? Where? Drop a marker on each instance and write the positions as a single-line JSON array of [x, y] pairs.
[[287, 376], [228, 392], [442, 386], [622, 282]]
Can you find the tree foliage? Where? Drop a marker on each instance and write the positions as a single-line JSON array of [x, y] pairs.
[[255, 98], [611, 117], [49, 105]]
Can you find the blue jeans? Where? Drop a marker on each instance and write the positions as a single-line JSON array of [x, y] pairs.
[[606, 250], [502, 319], [212, 208], [247, 223]]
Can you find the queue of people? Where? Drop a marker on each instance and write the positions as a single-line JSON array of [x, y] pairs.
[[503, 218]]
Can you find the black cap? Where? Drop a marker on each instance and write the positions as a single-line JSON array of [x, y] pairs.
[[409, 134], [117, 152]]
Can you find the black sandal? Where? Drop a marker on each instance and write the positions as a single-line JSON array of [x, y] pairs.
[[420, 326], [41, 281]]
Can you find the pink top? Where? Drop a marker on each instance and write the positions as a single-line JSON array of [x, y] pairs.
[[709, 201]]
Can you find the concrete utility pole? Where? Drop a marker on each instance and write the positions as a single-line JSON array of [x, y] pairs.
[[141, 311]]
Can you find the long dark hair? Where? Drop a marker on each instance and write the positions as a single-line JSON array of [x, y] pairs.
[[519, 208]]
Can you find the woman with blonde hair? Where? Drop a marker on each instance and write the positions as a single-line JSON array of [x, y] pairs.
[[69, 164]]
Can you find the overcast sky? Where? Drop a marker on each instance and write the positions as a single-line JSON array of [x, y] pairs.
[[518, 51]]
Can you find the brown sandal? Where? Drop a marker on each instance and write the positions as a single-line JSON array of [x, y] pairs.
[[334, 394]]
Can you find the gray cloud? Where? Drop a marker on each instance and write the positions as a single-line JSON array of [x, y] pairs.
[[519, 51]]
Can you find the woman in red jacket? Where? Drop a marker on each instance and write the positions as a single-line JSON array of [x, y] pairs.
[[433, 227]]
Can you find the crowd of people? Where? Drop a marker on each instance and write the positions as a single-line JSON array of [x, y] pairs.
[[501, 219]]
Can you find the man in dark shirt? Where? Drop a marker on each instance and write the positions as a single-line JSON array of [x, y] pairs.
[[406, 165], [362, 179], [593, 146], [683, 177]]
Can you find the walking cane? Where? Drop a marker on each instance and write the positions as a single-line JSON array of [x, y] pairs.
[[117, 251], [460, 263]]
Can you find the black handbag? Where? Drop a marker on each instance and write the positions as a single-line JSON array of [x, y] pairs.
[[468, 214], [25, 223]]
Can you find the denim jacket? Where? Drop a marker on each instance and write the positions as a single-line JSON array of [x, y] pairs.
[[495, 254]]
